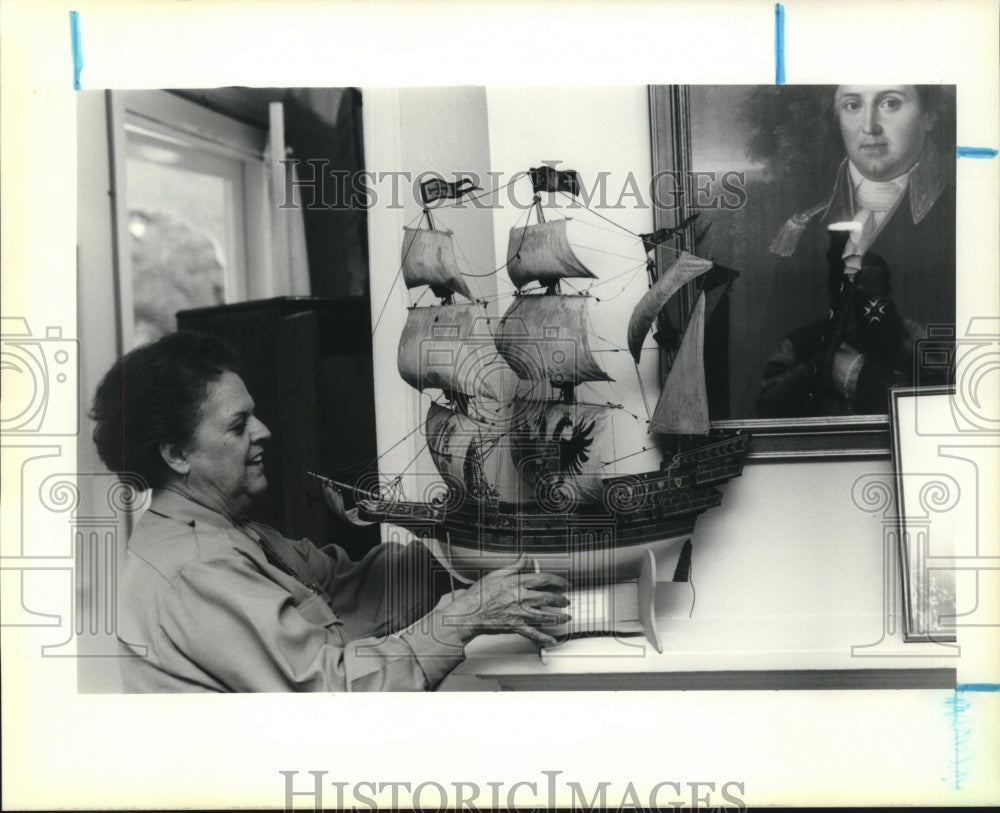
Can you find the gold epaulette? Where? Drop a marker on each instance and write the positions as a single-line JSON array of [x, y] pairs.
[[787, 238]]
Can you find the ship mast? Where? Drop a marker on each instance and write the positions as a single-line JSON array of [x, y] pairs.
[[541, 179]]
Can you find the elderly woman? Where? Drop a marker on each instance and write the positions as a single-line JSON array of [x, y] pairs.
[[212, 602]]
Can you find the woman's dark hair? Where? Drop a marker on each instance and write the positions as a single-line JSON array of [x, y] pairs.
[[153, 395]]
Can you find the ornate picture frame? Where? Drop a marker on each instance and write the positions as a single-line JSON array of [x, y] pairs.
[[721, 160]]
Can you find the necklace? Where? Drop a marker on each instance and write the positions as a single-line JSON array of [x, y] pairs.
[[275, 558], [270, 553]]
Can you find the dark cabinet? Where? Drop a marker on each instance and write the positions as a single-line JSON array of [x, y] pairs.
[[307, 363]]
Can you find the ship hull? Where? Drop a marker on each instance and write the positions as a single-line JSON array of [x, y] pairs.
[[606, 561], [583, 545], [605, 541]]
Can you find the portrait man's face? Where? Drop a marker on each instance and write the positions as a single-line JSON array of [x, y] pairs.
[[883, 128]]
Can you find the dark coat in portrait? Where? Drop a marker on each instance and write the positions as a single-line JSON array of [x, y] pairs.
[[916, 246]]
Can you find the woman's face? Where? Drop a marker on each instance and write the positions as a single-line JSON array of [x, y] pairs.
[[225, 457], [883, 127]]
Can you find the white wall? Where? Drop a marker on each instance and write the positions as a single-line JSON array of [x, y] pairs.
[[595, 131], [415, 131]]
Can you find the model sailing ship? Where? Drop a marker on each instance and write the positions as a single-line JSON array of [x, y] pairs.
[[527, 473]]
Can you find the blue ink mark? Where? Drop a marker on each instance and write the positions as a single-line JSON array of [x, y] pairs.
[[957, 706], [779, 44], [977, 687], [975, 152], [76, 46]]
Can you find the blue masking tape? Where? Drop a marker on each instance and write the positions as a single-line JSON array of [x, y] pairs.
[[956, 708], [779, 44], [977, 687], [76, 46], [975, 152]]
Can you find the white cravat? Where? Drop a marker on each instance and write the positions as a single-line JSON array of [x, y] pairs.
[[873, 202]]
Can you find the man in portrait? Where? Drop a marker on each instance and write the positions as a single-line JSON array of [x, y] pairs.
[[884, 237]]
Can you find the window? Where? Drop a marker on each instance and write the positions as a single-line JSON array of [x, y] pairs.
[[193, 231]]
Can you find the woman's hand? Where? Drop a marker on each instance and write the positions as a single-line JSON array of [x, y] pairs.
[[335, 501], [508, 600]]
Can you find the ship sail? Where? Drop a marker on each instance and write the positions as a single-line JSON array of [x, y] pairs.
[[542, 253], [556, 446], [458, 445], [428, 258], [450, 347], [545, 338], [684, 269], [683, 405]]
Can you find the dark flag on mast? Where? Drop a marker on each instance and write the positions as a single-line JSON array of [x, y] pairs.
[[550, 179], [437, 188], [660, 236]]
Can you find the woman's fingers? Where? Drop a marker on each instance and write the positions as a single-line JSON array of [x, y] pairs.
[[550, 618], [536, 635], [333, 499], [544, 608], [514, 601], [545, 579], [517, 566], [533, 577], [537, 598]]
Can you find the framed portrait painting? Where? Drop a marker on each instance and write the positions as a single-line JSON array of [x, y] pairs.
[[835, 206]]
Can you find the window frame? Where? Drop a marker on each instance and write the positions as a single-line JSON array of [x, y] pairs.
[[165, 112]]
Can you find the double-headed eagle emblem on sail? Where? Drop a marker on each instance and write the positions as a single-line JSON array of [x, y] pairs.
[[574, 450]]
